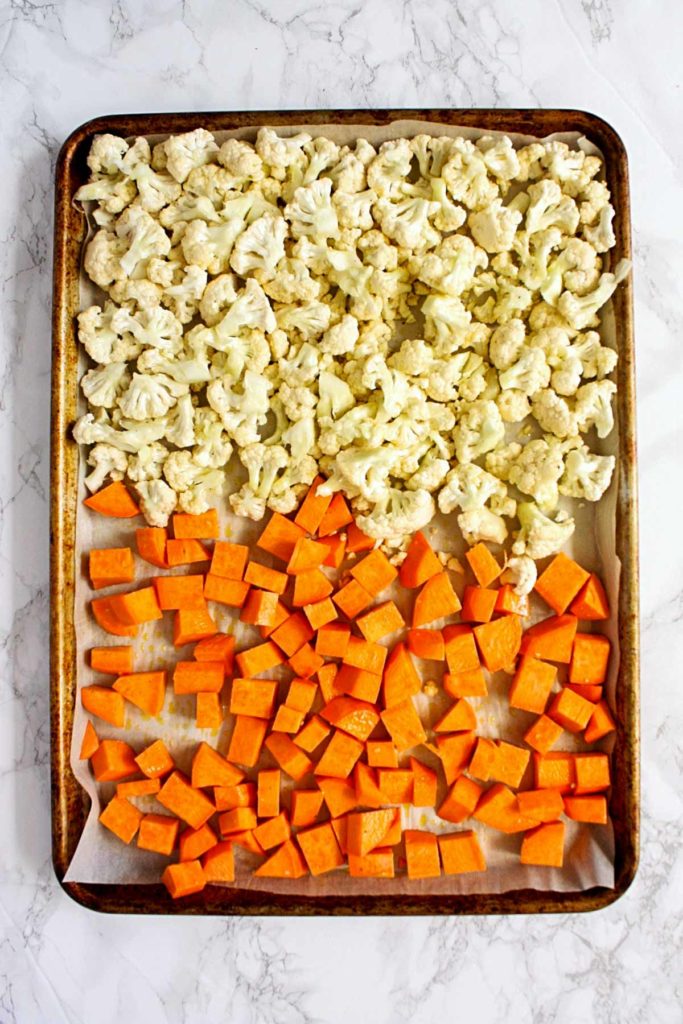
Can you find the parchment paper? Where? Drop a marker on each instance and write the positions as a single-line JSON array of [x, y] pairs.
[[101, 858]]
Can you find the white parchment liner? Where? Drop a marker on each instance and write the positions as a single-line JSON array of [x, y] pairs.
[[101, 858]]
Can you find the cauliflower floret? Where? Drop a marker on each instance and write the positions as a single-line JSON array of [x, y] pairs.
[[414, 358], [112, 194], [296, 401], [449, 216], [157, 501], [446, 321], [431, 474], [143, 238], [586, 475], [354, 209], [479, 429], [500, 157], [341, 338], [101, 341], [279, 154], [529, 158], [553, 414], [259, 249], [149, 396], [466, 175], [407, 222], [577, 268], [521, 573], [348, 173], [536, 471], [470, 487], [107, 462], [184, 297], [514, 405], [241, 160], [180, 423], [397, 514], [156, 328], [388, 171], [209, 245], [452, 266], [214, 183], [310, 320], [494, 227], [564, 362], [311, 212], [534, 252], [292, 282], [481, 524], [147, 463], [213, 448], [184, 152], [102, 385], [88, 430], [348, 272], [188, 207], [548, 207], [102, 261], [218, 296], [506, 344], [242, 412], [301, 366], [431, 153], [360, 471], [263, 463], [571, 167], [196, 487], [529, 373], [596, 360], [593, 407], [248, 351], [580, 311], [377, 252], [251, 309], [540, 535], [106, 154], [335, 398], [192, 369]]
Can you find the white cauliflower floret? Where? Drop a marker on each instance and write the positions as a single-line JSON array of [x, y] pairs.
[[494, 226], [248, 351], [529, 158], [479, 429], [88, 430], [149, 396], [147, 463], [580, 311], [292, 281], [310, 320], [251, 309], [397, 514], [107, 462], [536, 471], [185, 152], [263, 464], [431, 474], [377, 251], [311, 212], [553, 414], [242, 412], [446, 321], [348, 273], [102, 385], [301, 366], [143, 238], [341, 338], [348, 173], [354, 209], [259, 249], [196, 487], [514, 405], [466, 175], [586, 475], [468, 487], [577, 268], [209, 245], [481, 524], [99, 338], [361, 472], [214, 183], [218, 296], [529, 373], [540, 535], [188, 207], [335, 398], [106, 154], [241, 160], [593, 407], [572, 168], [157, 501], [506, 344], [431, 153], [499, 156], [112, 194], [102, 260], [279, 153], [564, 362], [189, 367], [139, 293], [297, 401], [596, 360], [451, 267], [388, 171], [156, 328], [550, 208], [184, 297], [407, 222], [534, 252], [449, 216], [180, 423], [521, 573], [213, 448], [414, 358]]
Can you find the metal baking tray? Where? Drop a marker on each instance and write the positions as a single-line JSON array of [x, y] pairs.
[[69, 801]]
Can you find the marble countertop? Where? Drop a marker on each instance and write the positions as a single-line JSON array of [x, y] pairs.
[[64, 61]]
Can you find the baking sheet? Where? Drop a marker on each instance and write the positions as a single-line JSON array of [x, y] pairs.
[[101, 858]]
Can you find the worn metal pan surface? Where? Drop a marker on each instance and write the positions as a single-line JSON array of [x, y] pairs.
[[69, 802]]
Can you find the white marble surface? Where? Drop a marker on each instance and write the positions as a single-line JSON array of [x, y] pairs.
[[63, 61]]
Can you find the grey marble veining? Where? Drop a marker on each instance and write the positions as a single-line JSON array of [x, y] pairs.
[[64, 61]]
